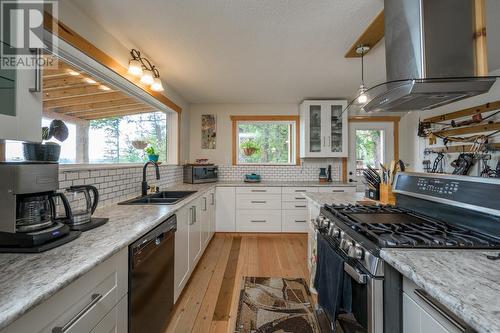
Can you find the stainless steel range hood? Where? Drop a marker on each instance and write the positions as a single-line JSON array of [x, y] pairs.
[[429, 56]]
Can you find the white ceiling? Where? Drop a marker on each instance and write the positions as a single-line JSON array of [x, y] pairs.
[[247, 51]]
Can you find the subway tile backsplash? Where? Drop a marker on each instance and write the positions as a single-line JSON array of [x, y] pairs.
[[118, 184], [308, 171]]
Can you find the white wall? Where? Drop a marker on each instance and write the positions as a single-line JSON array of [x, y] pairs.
[[88, 28], [222, 155], [412, 147]]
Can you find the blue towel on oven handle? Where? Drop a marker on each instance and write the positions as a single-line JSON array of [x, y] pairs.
[[333, 286]]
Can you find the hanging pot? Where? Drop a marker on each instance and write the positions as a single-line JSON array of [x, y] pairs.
[[249, 151]]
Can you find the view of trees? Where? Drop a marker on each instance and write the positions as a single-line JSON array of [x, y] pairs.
[[368, 149], [271, 138], [115, 135]]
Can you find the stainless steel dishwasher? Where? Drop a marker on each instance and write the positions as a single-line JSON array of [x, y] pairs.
[[151, 279]]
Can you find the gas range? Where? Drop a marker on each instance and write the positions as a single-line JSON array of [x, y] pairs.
[[426, 218]]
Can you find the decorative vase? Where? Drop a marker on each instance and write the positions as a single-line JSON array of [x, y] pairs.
[[41, 152], [249, 151], [153, 158]]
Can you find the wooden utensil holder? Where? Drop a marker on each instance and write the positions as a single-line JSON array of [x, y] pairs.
[[386, 195]]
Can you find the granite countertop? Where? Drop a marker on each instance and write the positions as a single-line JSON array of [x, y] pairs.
[[464, 281], [26, 280]]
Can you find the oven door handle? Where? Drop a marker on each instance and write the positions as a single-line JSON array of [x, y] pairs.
[[359, 277]]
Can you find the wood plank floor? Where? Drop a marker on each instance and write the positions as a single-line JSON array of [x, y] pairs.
[[209, 301]]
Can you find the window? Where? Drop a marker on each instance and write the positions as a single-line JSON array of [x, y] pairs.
[[265, 140], [369, 149], [111, 139]]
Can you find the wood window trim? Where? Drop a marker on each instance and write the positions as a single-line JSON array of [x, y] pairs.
[[236, 118], [377, 119], [62, 31]]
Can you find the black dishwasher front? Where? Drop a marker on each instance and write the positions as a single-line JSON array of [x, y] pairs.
[[151, 279]]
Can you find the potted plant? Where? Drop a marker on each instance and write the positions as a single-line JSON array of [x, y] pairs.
[[48, 151], [152, 155], [249, 147]]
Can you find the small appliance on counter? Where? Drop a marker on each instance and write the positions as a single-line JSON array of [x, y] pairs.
[[82, 206], [252, 178], [200, 173], [29, 222]]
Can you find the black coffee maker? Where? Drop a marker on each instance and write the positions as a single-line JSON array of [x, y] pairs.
[[29, 223]]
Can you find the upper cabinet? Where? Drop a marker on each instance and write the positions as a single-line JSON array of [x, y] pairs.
[[323, 128], [21, 104]]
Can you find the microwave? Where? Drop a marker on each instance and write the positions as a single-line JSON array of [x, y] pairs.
[[196, 174]]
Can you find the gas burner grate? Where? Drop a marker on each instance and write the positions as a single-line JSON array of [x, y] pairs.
[[388, 226]]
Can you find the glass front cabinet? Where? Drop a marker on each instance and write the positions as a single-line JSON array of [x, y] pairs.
[[323, 128]]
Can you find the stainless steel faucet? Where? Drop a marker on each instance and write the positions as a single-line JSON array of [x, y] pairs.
[[144, 184]]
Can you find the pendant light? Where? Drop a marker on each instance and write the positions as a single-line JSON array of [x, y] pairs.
[[362, 98]]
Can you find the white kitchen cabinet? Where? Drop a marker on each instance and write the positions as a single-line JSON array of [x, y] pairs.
[[323, 128], [225, 209], [195, 231], [21, 106], [314, 211], [181, 262], [294, 220], [420, 317], [205, 220], [211, 209], [83, 306], [258, 220], [258, 201]]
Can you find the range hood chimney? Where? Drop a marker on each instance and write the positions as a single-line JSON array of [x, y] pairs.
[[430, 56]]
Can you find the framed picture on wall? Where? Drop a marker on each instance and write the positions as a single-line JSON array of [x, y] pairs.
[[208, 131]]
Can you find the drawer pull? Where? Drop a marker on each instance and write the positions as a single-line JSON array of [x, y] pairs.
[[300, 206], [258, 201], [259, 190], [426, 298], [338, 191], [300, 190], [95, 298], [301, 198], [300, 221], [258, 221]]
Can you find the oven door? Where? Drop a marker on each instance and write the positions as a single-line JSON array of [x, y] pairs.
[[367, 298]]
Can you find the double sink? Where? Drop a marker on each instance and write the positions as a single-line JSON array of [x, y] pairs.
[[160, 198]]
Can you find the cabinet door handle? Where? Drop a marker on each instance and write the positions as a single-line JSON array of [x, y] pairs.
[[212, 197], [329, 141], [300, 198], [258, 221], [204, 204], [259, 190], [38, 72], [258, 201], [195, 213], [300, 190], [324, 138], [94, 299], [300, 206], [300, 221], [424, 297], [338, 191]]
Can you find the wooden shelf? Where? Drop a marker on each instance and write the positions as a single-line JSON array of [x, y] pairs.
[[462, 148], [469, 129], [492, 106]]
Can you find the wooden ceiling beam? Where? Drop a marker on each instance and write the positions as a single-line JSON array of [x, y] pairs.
[[74, 92], [116, 113], [370, 37], [64, 81], [110, 109], [96, 106], [78, 100]]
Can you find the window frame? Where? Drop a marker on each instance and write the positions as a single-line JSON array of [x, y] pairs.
[[235, 119]]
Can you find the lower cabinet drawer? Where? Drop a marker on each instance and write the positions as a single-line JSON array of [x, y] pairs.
[[293, 197], [116, 321], [298, 190], [252, 201], [338, 189], [83, 304], [258, 221], [295, 220], [294, 205]]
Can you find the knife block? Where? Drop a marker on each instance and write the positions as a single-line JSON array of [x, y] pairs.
[[386, 195]]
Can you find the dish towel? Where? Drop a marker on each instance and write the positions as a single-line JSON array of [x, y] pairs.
[[333, 286]]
